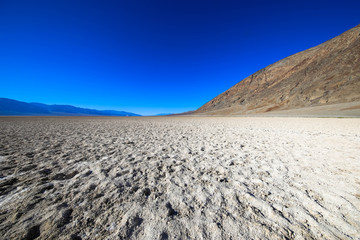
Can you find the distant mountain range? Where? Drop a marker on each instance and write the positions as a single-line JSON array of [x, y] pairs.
[[323, 80], [10, 107]]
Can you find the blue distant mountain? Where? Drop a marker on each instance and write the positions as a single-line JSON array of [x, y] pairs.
[[10, 107]]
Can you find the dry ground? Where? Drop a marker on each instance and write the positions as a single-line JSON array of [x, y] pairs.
[[179, 178]]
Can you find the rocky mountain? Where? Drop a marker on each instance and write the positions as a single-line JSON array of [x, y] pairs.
[[325, 78], [13, 107]]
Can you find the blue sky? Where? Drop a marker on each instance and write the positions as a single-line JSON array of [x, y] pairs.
[[152, 57]]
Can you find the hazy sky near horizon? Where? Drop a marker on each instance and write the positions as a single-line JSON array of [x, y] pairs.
[[152, 57]]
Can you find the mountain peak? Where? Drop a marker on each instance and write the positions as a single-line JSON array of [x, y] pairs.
[[18, 108], [323, 75]]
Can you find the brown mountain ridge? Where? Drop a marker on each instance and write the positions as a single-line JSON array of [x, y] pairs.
[[323, 80]]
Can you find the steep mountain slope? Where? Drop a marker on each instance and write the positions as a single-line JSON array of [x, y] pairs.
[[323, 75], [14, 107]]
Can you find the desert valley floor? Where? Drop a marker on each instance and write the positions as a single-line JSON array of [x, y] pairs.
[[179, 178]]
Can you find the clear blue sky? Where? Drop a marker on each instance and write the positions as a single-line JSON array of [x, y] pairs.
[[152, 56]]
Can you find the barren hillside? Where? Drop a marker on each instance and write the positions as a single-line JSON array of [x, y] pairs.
[[323, 75]]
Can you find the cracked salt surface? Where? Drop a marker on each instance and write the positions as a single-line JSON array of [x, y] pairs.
[[180, 178]]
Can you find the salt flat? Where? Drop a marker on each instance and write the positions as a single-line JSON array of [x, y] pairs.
[[179, 178]]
